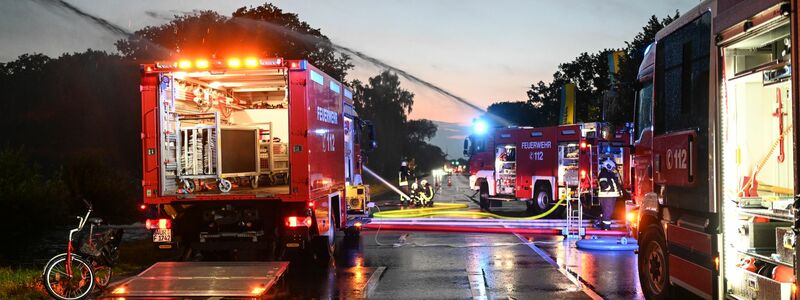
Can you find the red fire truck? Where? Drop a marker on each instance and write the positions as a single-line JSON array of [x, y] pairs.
[[714, 167], [534, 164], [248, 153]]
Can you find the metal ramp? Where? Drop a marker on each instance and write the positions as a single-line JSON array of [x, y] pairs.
[[165, 280]]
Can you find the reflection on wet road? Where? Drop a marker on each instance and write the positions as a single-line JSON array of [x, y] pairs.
[[438, 265]]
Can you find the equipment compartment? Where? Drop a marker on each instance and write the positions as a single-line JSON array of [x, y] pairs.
[[224, 133]]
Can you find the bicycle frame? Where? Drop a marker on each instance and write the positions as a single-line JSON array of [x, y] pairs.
[[70, 248]]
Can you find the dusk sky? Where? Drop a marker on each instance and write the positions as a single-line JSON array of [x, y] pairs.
[[484, 51]]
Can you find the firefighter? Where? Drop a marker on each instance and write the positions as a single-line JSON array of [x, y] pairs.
[[425, 193], [609, 191], [403, 176]]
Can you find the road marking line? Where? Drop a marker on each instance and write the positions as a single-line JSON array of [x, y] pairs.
[[584, 288], [372, 282], [477, 284]]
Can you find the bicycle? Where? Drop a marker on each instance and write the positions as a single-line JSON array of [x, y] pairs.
[[75, 274]]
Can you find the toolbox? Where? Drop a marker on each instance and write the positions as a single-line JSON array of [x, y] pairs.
[[760, 235]]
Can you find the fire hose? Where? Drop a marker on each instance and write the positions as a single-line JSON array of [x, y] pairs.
[[447, 209]]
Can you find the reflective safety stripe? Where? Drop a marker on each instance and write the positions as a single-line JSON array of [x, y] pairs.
[[403, 183]]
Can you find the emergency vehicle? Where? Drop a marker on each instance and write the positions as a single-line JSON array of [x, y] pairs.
[[534, 164], [715, 173], [248, 153]]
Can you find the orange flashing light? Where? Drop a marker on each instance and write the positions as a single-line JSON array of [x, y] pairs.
[[583, 145], [119, 290], [258, 290], [251, 62], [307, 221], [201, 64], [311, 204], [583, 174], [716, 262], [234, 63], [184, 64], [358, 224]]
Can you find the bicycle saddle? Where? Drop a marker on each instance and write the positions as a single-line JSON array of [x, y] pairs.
[[95, 221]]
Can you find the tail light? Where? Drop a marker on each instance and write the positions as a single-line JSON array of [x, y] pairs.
[[583, 174], [158, 223], [294, 221]]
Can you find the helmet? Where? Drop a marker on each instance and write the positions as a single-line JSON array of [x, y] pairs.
[[608, 164], [423, 182], [404, 164]]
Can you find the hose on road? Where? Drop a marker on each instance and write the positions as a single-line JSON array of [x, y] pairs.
[[448, 209]]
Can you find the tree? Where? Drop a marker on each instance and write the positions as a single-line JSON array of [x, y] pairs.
[[620, 108], [387, 105], [590, 74], [263, 30]]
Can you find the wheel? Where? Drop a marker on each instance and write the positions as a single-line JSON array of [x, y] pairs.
[[189, 186], [102, 276], [60, 285], [254, 182], [483, 196], [542, 201], [324, 246], [225, 185], [653, 267]]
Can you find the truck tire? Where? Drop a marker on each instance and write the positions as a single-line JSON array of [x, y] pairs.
[[653, 267], [323, 247], [542, 200], [483, 196]]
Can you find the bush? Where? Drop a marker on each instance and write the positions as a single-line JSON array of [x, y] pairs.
[[35, 202]]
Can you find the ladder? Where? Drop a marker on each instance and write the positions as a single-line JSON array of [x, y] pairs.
[[574, 226]]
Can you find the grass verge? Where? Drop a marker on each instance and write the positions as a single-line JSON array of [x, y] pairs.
[[26, 282]]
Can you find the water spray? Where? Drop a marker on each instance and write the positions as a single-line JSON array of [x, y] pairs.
[[386, 183]]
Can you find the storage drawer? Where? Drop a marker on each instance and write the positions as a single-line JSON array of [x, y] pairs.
[[753, 286]]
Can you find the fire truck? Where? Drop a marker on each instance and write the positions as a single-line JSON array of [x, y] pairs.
[[251, 153], [714, 170], [534, 164]]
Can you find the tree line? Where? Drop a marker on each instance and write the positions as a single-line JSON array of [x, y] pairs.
[[593, 85]]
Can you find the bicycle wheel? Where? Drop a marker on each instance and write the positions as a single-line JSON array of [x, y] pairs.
[[60, 285]]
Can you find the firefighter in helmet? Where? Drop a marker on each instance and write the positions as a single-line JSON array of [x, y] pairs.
[[403, 175], [425, 193], [609, 191]]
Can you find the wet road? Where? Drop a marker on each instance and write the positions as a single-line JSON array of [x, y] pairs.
[[437, 265]]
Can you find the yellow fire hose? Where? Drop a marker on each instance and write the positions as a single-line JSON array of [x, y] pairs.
[[448, 209]]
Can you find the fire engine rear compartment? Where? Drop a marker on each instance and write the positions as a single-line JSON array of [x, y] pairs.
[[225, 133]]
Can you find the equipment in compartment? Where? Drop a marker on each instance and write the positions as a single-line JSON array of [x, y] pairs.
[[759, 235], [784, 245], [273, 158], [506, 164], [208, 151]]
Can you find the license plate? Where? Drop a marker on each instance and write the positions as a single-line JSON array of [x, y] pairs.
[[162, 236]]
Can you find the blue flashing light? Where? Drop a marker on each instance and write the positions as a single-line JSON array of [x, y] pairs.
[[480, 127]]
